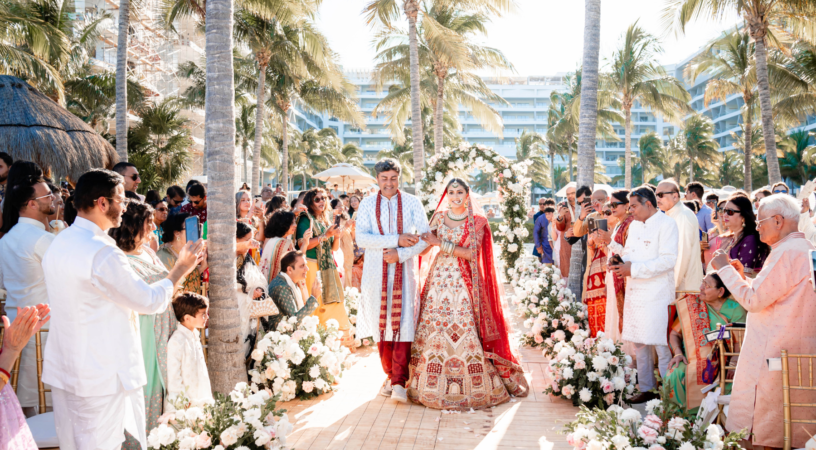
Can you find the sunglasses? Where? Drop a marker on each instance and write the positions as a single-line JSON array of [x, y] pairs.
[[318, 199], [161, 210], [196, 202], [662, 194], [730, 212], [607, 213], [781, 191], [616, 204], [134, 177]]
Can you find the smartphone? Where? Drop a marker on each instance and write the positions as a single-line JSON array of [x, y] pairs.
[[592, 224], [192, 227], [615, 260], [813, 269], [337, 220], [705, 238], [601, 224]]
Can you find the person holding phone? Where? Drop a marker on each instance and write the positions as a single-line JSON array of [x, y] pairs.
[[563, 225], [594, 283], [318, 236], [174, 236], [342, 220]]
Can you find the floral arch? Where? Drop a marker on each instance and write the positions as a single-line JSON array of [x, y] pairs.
[[513, 186]]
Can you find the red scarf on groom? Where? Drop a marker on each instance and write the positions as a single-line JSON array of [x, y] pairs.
[[396, 297]]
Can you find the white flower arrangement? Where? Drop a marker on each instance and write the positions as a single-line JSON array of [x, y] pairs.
[[244, 419], [513, 185], [300, 363], [589, 371], [352, 296], [663, 428]]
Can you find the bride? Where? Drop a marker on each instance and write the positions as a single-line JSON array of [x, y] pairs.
[[461, 355]]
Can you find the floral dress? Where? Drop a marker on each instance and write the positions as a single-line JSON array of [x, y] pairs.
[[155, 331], [448, 364], [192, 282]]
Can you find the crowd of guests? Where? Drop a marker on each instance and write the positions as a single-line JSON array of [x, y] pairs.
[[668, 267], [80, 257]]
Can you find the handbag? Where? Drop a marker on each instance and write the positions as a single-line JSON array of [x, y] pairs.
[[711, 371], [329, 276]]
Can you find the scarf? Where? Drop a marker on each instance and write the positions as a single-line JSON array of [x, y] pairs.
[[396, 297], [295, 289]]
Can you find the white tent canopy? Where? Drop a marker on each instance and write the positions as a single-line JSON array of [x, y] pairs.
[[563, 191], [345, 175]]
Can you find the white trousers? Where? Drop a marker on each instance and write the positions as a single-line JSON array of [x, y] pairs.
[[645, 364], [99, 423]]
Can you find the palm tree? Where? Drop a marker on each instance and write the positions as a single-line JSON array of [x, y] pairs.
[[121, 80], [226, 359], [245, 130], [698, 142], [763, 18], [530, 147], [160, 145], [796, 163], [637, 77], [403, 155], [352, 154], [729, 172], [650, 146]]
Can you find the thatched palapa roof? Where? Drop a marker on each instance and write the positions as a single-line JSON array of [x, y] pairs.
[[35, 128]]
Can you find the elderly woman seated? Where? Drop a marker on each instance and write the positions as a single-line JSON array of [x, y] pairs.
[[697, 315]]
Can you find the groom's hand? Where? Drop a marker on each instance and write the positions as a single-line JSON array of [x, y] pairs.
[[390, 256], [408, 240]]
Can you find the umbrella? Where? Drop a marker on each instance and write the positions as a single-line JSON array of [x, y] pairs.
[[35, 128], [563, 192], [344, 174]]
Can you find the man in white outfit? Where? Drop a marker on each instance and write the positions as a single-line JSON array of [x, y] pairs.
[[28, 204], [688, 273], [649, 256], [388, 228], [93, 360]]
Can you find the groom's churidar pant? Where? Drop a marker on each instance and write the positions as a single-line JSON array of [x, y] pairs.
[[394, 358]]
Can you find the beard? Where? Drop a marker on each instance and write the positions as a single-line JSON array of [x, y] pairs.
[[48, 210], [3, 177], [115, 217]]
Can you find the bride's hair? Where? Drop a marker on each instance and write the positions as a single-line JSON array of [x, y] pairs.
[[461, 182]]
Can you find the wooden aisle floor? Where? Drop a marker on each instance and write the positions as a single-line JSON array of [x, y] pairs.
[[355, 416]]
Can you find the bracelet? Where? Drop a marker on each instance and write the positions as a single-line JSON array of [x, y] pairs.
[[4, 376], [448, 247]]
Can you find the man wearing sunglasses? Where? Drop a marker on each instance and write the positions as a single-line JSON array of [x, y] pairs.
[[688, 272], [131, 175], [780, 188], [21, 272], [197, 194]]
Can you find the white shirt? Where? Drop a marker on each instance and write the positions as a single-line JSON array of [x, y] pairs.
[[414, 220], [186, 369], [95, 347], [652, 249], [21, 272], [688, 272]]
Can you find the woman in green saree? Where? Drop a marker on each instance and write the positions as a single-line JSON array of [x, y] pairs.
[[133, 238], [696, 315]]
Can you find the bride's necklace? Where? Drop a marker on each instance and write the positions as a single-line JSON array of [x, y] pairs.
[[457, 217]]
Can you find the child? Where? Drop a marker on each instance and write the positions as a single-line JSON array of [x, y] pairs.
[[186, 368], [549, 212]]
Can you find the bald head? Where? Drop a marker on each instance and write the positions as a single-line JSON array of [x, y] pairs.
[[668, 194]]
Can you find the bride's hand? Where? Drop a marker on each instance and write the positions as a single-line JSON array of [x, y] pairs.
[[430, 239]]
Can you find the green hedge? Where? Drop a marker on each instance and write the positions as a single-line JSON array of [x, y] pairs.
[[494, 226]]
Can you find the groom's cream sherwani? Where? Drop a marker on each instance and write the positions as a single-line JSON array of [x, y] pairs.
[[369, 238]]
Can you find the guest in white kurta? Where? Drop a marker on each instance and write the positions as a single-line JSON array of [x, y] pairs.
[[688, 272], [21, 274], [93, 360], [186, 369], [649, 256], [393, 354]]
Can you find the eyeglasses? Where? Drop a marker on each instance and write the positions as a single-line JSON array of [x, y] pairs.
[[318, 199], [730, 212], [161, 209], [780, 191], [134, 177], [661, 194], [43, 196], [759, 222]]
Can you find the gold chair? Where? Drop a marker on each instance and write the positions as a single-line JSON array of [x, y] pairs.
[[728, 360], [787, 417], [15, 369], [203, 336], [41, 390]]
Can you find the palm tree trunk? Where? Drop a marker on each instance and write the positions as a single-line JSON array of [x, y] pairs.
[[569, 154], [761, 56], [552, 172], [285, 147], [226, 358], [627, 132], [440, 108], [691, 170], [747, 184], [244, 149], [259, 118], [411, 8], [588, 123], [121, 81]]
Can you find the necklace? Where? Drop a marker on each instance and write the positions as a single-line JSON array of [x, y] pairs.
[[457, 217]]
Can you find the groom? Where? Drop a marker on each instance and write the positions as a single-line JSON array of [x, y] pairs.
[[388, 228]]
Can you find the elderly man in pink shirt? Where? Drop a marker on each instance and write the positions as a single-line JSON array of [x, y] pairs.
[[781, 305]]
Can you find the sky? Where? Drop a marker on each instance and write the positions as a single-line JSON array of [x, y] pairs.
[[541, 37]]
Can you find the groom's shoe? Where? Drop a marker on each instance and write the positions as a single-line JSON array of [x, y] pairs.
[[398, 393], [385, 391]]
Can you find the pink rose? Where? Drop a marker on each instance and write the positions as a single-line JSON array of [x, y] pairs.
[[297, 335], [613, 360], [609, 398], [555, 323], [203, 440], [366, 342], [652, 421], [538, 339], [648, 435], [607, 386], [529, 334], [166, 417], [555, 387], [580, 365], [574, 327]]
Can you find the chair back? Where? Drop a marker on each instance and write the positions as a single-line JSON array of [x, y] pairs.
[[729, 349], [15, 369], [787, 405], [203, 337], [41, 390]]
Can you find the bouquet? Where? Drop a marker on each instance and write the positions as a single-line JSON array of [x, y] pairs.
[[555, 322], [539, 289], [590, 371], [301, 363], [352, 300], [244, 419], [663, 428]]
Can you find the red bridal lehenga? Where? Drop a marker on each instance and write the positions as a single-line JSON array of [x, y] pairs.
[[461, 356]]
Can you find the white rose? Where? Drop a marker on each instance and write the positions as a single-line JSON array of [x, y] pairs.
[[308, 386], [585, 395], [512, 248], [314, 372]]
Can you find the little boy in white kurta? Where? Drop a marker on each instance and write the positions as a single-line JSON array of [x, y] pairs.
[[186, 367]]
